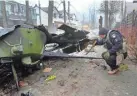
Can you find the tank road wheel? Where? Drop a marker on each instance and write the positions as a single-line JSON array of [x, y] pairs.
[[15, 77]]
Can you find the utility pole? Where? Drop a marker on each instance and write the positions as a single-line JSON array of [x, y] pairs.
[[4, 15], [83, 22], [106, 14], [125, 9], [64, 7], [50, 15], [27, 12], [122, 10], [68, 10], [39, 12]]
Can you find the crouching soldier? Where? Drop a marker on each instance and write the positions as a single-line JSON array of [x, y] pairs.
[[114, 43]]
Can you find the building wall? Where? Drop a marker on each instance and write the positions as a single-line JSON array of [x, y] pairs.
[[16, 13]]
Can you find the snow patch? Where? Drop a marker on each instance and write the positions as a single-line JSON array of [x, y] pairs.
[[93, 34], [98, 50]]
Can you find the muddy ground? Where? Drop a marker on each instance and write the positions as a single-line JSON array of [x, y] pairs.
[[81, 77]]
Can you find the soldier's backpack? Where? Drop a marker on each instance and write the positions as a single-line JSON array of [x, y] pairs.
[[124, 45]]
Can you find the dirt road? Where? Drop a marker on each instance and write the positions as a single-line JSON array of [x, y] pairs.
[[80, 77]]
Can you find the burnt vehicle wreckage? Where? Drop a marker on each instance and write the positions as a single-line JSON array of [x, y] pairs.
[[23, 47]]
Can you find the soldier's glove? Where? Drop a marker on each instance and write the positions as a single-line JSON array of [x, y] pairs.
[[106, 55]]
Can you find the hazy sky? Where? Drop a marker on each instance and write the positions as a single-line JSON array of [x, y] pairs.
[[79, 7]]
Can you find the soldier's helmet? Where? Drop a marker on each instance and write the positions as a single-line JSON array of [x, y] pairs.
[[103, 31]]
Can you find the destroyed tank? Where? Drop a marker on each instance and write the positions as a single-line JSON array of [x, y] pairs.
[[24, 45], [71, 40], [21, 43]]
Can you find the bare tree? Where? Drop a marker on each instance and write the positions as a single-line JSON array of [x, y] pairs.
[[106, 13], [125, 10], [4, 15], [27, 12], [110, 9], [64, 7]]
